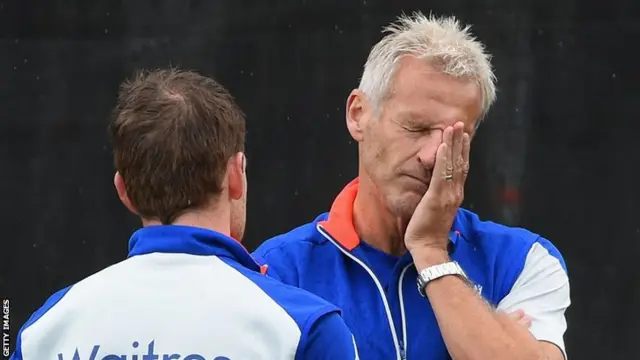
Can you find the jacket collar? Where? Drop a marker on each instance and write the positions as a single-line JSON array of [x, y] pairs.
[[339, 223], [189, 240]]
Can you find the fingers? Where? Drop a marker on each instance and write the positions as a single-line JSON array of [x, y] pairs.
[[439, 175], [526, 321], [456, 153], [452, 164], [517, 315], [447, 138], [517, 325], [521, 318], [466, 149]]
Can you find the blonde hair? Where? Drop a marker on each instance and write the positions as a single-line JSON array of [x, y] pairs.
[[438, 40]]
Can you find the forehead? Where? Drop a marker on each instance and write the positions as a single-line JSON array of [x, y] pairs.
[[420, 92]]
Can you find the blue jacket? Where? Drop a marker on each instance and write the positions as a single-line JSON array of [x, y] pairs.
[[511, 268], [184, 293]]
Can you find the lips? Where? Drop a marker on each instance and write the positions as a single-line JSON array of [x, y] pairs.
[[415, 185], [424, 180]]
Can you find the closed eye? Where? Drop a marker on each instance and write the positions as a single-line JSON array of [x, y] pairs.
[[418, 130]]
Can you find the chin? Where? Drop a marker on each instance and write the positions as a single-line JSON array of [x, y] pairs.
[[403, 205]]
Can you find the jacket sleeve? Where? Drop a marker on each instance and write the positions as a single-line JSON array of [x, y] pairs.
[[542, 291], [328, 339]]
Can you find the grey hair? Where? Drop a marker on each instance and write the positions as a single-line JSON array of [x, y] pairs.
[[438, 40]]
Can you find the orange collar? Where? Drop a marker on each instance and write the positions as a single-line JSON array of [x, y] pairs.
[[339, 224]]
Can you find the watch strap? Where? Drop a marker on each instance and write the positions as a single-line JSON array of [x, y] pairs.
[[437, 271]]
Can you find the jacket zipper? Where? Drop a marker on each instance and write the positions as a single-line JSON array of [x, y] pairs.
[[403, 315], [400, 351]]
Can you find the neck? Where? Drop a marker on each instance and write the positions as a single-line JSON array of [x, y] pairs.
[[374, 222], [216, 219]]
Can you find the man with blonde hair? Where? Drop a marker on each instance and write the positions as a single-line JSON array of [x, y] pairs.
[[426, 87]]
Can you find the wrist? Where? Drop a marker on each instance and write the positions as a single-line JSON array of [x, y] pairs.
[[426, 257]]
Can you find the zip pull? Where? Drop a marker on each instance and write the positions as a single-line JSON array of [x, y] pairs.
[[403, 354]]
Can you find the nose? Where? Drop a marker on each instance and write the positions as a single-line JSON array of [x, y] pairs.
[[427, 151]]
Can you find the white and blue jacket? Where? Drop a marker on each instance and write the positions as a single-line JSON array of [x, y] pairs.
[[184, 293], [511, 268]]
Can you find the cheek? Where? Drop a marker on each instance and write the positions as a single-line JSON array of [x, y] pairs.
[[388, 158], [377, 149], [401, 151], [382, 140], [385, 152]]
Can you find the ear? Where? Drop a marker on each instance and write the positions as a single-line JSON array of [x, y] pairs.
[[358, 112], [236, 170], [118, 181]]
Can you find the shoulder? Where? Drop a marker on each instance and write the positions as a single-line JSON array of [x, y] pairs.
[[56, 309], [507, 252], [286, 253], [489, 233], [502, 241], [301, 306], [302, 237], [29, 327]]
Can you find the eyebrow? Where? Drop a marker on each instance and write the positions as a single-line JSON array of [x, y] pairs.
[[413, 119]]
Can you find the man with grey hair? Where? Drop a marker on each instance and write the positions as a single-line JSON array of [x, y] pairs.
[[484, 290]]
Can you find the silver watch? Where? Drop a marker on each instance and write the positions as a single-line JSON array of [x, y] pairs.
[[437, 271]]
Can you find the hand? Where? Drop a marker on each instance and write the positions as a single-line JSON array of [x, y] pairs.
[[431, 222], [521, 318], [516, 324]]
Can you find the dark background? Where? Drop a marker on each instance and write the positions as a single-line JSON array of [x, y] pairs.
[[557, 154]]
